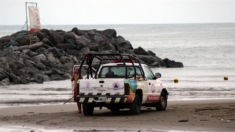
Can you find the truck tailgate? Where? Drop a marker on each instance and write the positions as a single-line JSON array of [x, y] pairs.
[[101, 86]]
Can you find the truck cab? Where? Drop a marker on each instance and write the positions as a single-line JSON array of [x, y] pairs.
[[123, 83]]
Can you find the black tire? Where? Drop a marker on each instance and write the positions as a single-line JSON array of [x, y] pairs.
[[115, 109], [162, 104], [135, 106], [88, 109]]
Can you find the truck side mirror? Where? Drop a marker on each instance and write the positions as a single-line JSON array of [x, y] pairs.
[[158, 75]]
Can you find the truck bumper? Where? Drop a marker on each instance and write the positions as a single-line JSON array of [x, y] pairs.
[[114, 99]]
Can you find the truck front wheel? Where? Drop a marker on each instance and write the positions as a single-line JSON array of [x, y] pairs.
[[88, 109], [135, 106], [162, 104]]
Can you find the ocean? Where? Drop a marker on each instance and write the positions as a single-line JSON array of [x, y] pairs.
[[206, 50]]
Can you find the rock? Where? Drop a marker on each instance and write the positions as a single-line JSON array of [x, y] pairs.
[[56, 77], [24, 79], [5, 82], [56, 52], [84, 51], [98, 38], [172, 63], [151, 53], [120, 40], [31, 71], [82, 40], [69, 35], [40, 78], [150, 60], [40, 57], [32, 54], [48, 72], [31, 47], [124, 47], [3, 74], [110, 33], [14, 78], [41, 50], [6, 39], [73, 52], [105, 45], [155, 64], [57, 71], [23, 40], [44, 33], [64, 59], [55, 38], [67, 76], [65, 46], [77, 31], [93, 46], [41, 66], [30, 63], [140, 51]]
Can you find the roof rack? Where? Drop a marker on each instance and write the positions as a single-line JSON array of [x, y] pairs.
[[120, 58]]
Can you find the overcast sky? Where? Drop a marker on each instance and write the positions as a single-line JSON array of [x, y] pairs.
[[66, 12]]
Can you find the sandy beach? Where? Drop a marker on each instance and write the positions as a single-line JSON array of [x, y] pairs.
[[194, 115]]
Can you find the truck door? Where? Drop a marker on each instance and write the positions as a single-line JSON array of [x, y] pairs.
[[154, 88]]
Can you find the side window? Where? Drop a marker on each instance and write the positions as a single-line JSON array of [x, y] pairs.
[[149, 73]]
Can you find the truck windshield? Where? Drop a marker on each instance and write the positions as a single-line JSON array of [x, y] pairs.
[[118, 72]]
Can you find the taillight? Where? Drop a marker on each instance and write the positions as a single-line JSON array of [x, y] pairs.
[[127, 89]]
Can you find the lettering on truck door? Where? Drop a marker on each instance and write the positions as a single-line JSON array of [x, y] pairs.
[[154, 88]]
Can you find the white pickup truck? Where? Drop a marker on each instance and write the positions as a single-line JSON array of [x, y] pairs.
[[123, 84]]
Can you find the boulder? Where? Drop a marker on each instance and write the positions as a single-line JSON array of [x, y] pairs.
[[56, 77], [151, 53], [13, 78], [55, 38], [105, 45], [40, 57], [69, 35], [93, 46], [23, 40], [32, 47], [41, 77], [56, 52], [140, 51], [6, 39], [77, 31], [3, 74], [98, 38], [82, 40], [84, 51], [73, 52], [110, 33], [5, 82], [57, 71], [44, 33], [65, 46], [67, 76], [172, 63]]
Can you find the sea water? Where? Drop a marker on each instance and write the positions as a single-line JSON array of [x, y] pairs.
[[206, 50]]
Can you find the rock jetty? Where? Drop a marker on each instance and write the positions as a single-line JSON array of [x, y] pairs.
[[51, 54]]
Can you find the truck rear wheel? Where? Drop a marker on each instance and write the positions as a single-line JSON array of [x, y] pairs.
[[135, 106], [162, 104], [88, 109]]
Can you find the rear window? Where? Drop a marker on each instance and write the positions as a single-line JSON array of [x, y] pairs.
[[118, 72]]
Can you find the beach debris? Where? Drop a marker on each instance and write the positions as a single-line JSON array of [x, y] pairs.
[[184, 120], [204, 120]]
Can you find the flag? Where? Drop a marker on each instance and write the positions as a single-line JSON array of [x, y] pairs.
[[34, 18]]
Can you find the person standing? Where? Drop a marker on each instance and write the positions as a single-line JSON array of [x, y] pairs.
[[75, 77]]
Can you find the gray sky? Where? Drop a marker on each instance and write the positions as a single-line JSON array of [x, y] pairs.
[[66, 12]]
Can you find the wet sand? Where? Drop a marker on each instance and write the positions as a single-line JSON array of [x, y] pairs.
[[194, 115]]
